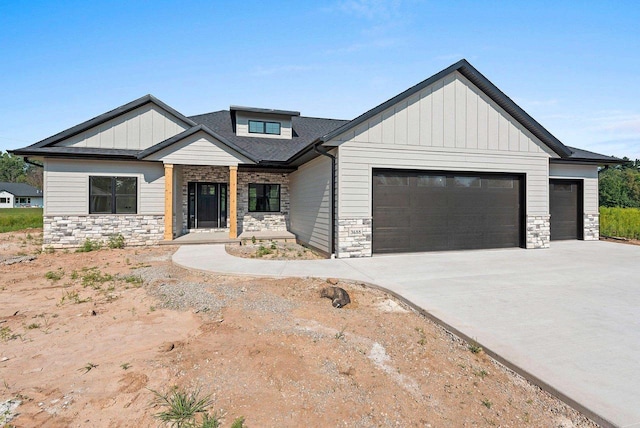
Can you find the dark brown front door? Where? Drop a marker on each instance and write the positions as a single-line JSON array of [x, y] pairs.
[[431, 211], [565, 206], [207, 205]]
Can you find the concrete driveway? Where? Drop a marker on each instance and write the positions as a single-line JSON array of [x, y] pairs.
[[568, 315]]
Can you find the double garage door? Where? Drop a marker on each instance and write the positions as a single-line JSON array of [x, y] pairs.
[[432, 211]]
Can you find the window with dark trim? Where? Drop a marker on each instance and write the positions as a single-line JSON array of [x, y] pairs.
[[4, 200], [264, 197], [113, 195], [261, 127]]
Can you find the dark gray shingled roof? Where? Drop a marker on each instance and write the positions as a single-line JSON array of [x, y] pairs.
[[580, 155], [20, 189], [305, 131]]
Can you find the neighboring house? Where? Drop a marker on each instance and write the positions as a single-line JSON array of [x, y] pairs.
[[20, 195], [451, 163]]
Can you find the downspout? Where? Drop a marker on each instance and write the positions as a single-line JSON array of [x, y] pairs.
[[333, 195]]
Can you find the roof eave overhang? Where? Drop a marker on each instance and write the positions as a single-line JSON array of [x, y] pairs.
[[586, 161], [96, 156]]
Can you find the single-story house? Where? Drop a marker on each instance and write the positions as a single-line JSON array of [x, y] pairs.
[[450, 163], [20, 195]]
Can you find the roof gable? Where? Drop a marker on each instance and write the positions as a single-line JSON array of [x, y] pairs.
[[110, 115], [195, 146], [484, 85]]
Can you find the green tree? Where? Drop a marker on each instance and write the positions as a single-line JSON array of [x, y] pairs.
[[620, 185], [13, 169]]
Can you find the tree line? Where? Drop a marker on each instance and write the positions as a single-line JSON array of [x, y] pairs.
[[620, 184], [13, 169]]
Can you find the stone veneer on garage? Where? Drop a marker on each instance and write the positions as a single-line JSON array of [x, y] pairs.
[[354, 237], [72, 231], [591, 225], [538, 231]]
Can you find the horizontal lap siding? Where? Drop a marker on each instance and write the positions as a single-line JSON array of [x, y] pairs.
[[589, 175], [67, 184], [358, 160], [310, 196]]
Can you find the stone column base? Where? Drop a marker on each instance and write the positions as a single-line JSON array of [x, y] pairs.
[[354, 237], [591, 225], [538, 231]]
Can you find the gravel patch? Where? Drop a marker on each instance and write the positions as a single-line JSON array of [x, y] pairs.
[[188, 295], [268, 303]]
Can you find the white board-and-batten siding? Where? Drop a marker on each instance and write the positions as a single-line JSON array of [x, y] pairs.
[[199, 149], [310, 203], [450, 125], [589, 176], [66, 189], [138, 129]]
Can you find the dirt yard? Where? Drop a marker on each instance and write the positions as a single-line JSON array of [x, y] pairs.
[[86, 337]]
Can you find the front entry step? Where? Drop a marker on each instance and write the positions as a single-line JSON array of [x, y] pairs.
[[203, 237], [269, 235]]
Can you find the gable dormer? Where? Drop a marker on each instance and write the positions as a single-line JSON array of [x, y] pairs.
[[262, 123]]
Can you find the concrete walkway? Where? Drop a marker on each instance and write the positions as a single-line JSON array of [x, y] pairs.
[[568, 316]]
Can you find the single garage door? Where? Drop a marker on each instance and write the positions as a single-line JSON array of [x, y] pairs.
[[565, 202], [429, 211]]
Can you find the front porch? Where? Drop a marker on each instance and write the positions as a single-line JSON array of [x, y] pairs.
[[220, 204]]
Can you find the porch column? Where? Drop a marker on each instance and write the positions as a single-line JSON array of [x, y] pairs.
[[168, 202], [233, 202]]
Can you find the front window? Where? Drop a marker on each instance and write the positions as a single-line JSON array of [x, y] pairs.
[[264, 197], [4, 200], [24, 200], [261, 127], [113, 195]]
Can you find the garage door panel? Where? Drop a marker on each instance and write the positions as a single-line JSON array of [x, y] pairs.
[[395, 240], [430, 222], [391, 218], [565, 207], [445, 211]]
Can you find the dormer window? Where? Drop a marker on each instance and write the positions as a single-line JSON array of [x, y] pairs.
[[262, 127]]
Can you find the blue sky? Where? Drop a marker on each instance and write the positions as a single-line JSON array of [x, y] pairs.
[[573, 66]]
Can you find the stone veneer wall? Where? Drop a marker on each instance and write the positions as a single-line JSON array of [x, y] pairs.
[[203, 174], [72, 231], [256, 222], [538, 231], [591, 225], [354, 237]]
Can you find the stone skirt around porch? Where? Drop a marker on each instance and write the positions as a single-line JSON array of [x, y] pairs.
[[268, 235]]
